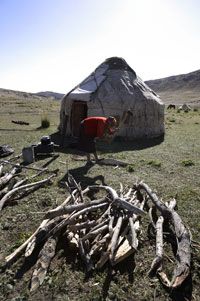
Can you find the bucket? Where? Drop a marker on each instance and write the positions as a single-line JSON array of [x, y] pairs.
[[28, 154]]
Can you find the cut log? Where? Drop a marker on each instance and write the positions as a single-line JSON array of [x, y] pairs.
[[43, 263], [124, 250]]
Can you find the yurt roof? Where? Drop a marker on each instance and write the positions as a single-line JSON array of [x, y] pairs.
[[88, 86]]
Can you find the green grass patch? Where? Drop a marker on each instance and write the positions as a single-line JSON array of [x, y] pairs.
[[154, 163], [45, 122], [131, 168], [187, 163]]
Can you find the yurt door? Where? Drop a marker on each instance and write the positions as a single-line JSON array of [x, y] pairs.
[[78, 113]]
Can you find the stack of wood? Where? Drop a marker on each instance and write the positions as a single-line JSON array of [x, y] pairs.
[[14, 183], [106, 229]]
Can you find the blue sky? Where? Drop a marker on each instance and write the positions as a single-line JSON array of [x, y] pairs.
[[54, 44]]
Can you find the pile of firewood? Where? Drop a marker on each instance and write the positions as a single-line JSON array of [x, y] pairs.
[[106, 229], [14, 183]]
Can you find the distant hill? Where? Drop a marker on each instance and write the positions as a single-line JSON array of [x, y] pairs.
[[178, 89], [51, 94], [5, 93]]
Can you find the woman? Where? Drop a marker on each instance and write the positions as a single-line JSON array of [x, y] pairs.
[[92, 128]]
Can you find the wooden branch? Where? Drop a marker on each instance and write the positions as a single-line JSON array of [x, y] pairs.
[[12, 257], [76, 186], [8, 176], [134, 240], [100, 244], [73, 239], [115, 236], [124, 250], [63, 209], [119, 201], [17, 189], [23, 166], [159, 204], [99, 225], [95, 232], [1, 169], [157, 262], [85, 256], [183, 256], [83, 225], [43, 263], [110, 226], [41, 234]]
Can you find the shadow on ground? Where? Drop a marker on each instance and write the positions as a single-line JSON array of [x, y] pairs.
[[68, 144], [80, 174]]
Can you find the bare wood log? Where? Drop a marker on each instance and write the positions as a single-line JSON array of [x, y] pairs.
[[172, 204], [41, 234], [183, 256], [73, 239], [13, 256], [1, 169], [23, 166], [76, 186], [71, 208], [119, 201], [127, 195], [17, 189], [110, 190], [124, 250], [43, 263], [121, 189], [8, 176], [70, 219], [159, 204], [99, 225], [7, 188], [115, 236], [151, 217], [157, 262], [100, 244], [85, 256], [105, 214], [83, 225], [134, 240], [163, 278], [103, 259], [110, 226], [94, 233]]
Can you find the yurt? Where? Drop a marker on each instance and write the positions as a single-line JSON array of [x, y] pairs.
[[111, 90]]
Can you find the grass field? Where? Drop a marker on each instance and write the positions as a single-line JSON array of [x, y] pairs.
[[172, 168]]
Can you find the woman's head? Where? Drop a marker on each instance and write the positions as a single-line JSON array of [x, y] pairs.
[[111, 121]]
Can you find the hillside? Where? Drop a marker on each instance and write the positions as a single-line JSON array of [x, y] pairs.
[[5, 93], [50, 94], [178, 89]]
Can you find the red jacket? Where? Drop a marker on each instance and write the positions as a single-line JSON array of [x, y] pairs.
[[94, 126]]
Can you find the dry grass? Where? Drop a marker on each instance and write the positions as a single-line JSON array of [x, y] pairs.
[[159, 165]]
